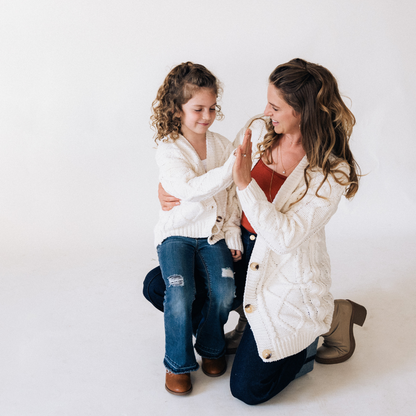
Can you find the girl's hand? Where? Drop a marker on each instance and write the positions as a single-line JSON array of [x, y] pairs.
[[167, 201], [236, 255], [242, 165]]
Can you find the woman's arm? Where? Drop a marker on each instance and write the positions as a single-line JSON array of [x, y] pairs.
[[284, 232], [167, 201]]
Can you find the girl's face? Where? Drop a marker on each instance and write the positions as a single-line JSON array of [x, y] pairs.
[[198, 114], [284, 118]]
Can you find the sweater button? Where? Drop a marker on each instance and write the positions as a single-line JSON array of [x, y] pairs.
[[254, 266], [266, 354], [219, 219], [249, 308], [252, 237]]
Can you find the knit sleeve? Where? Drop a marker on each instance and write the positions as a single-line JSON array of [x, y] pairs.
[[285, 231], [231, 225], [179, 178]]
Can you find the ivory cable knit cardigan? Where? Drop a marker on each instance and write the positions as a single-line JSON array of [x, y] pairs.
[[287, 299], [209, 205]]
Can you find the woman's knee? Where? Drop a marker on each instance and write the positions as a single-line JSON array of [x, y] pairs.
[[242, 390], [154, 288]]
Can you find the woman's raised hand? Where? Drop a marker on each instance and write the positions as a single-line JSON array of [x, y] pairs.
[[242, 164]]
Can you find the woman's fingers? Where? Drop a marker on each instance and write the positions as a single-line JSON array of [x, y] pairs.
[[246, 145], [167, 201]]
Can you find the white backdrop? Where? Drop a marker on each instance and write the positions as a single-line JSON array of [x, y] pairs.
[[78, 78], [77, 173]]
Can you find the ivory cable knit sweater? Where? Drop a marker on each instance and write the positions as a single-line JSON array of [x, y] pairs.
[[287, 299], [209, 205]]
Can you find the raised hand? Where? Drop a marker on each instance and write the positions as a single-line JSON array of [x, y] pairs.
[[242, 165]]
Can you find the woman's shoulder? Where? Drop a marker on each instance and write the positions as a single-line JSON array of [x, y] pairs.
[[339, 166]]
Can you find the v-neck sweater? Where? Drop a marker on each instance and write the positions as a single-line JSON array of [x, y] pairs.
[[269, 182], [287, 300]]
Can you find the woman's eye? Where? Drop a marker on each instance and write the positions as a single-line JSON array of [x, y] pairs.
[[212, 109], [275, 109], [198, 110]]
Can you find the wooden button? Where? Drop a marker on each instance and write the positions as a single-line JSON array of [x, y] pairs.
[[266, 354], [254, 266], [249, 308]]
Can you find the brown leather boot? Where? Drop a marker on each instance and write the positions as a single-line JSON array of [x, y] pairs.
[[233, 338], [339, 342], [178, 384], [214, 368]]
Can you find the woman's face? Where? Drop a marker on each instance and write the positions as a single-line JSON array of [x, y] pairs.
[[284, 118]]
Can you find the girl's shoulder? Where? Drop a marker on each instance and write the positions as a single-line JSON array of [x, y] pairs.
[[169, 149], [218, 138]]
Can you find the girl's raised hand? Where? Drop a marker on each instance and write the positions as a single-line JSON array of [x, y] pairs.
[[242, 165]]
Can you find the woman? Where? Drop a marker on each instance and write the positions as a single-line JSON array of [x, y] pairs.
[[288, 191]]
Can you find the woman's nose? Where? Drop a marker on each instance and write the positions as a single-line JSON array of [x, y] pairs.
[[266, 111]]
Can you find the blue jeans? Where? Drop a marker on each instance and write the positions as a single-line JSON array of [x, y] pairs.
[[154, 286], [180, 258], [252, 380]]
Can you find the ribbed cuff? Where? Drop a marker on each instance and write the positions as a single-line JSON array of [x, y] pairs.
[[233, 241]]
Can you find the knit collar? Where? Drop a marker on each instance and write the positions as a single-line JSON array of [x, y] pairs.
[[291, 183]]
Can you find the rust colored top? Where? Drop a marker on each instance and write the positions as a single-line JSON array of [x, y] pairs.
[[270, 183]]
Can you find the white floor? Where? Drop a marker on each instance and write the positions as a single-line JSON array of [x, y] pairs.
[[78, 338]]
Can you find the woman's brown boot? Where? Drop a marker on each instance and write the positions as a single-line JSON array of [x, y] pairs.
[[233, 338], [339, 342]]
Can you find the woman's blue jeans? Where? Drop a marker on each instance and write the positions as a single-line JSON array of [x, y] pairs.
[[180, 259]]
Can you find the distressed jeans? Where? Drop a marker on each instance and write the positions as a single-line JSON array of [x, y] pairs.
[[180, 258]]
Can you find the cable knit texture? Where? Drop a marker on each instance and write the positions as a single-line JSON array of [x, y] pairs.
[[289, 276], [209, 205]]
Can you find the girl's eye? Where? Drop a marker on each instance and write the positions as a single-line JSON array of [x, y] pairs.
[[275, 109], [198, 110], [212, 109]]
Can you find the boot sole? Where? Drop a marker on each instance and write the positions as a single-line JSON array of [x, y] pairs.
[[177, 393], [358, 316]]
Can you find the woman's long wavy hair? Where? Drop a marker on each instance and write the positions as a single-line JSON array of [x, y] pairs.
[[326, 122], [177, 89]]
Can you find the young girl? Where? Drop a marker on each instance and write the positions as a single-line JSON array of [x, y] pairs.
[[202, 233]]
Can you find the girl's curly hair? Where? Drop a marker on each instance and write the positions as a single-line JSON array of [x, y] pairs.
[[326, 122], [177, 89]]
